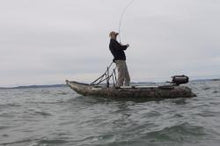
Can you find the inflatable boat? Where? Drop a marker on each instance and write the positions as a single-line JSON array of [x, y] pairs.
[[174, 90]]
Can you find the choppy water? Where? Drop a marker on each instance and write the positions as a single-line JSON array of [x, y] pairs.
[[58, 116]]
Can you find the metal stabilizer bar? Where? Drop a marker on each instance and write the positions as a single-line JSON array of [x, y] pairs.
[[106, 76]]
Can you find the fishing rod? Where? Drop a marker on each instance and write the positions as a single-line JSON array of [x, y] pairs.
[[121, 18]]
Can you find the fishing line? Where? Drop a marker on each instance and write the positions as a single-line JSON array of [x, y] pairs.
[[121, 18]]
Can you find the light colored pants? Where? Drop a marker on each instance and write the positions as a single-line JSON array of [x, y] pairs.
[[123, 74]]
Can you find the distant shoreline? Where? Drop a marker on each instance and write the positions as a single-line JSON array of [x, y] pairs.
[[35, 86], [64, 85]]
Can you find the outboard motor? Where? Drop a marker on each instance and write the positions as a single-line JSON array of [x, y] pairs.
[[180, 79]]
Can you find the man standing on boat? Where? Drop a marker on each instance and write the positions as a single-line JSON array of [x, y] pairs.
[[117, 51]]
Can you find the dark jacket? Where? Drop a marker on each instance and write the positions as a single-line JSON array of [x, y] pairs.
[[117, 50]]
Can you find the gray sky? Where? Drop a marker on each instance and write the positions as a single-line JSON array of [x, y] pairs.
[[48, 41]]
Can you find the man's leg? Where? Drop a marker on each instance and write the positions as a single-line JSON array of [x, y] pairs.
[[127, 76], [119, 65]]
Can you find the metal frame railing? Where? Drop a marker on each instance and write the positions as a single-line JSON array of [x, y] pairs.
[[106, 76]]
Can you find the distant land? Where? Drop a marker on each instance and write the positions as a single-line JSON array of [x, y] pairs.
[[64, 85], [35, 86], [197, 80]]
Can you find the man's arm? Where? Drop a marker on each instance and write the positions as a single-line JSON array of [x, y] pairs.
[[119, 46]]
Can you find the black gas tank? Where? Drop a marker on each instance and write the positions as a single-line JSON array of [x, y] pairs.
[[180, 79]]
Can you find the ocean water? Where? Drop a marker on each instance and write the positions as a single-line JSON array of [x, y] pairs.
[[60, 117]]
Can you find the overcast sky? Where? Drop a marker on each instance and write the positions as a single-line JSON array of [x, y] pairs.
[[48, 41]]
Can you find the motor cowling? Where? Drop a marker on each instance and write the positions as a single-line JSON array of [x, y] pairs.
[[180, 79]]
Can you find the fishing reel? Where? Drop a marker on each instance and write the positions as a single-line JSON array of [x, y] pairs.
[[179, 79]]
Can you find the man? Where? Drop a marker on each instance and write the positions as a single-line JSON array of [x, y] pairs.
[[117, 51]]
